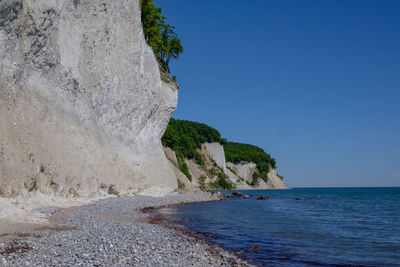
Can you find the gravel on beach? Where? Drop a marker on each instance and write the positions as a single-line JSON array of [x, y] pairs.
[[114, 232]]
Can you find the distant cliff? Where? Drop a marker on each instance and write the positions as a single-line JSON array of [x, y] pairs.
[[203, 160], [82, 103]]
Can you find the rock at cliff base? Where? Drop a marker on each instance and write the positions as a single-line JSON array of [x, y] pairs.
[[237, 194]]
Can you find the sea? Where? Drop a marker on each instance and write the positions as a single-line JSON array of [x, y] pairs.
[[301, 226]]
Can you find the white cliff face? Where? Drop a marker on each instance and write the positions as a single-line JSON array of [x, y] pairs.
[[274, 181], [239, 174], [244, 170], [82, 104], [216, 151]]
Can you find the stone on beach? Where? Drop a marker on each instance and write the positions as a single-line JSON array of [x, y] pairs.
[[114, 232], [237, 194]]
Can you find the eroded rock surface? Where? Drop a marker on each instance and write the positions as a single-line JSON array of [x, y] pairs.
[[82, 104], [216, 151]]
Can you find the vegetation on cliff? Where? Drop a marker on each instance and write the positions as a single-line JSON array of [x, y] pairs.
[[186, 137], [159, 35], [237, 152], [221, 182]]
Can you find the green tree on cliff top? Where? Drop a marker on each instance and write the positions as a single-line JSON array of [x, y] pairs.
[[159, 35]]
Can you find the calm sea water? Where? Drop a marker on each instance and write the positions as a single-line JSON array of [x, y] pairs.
[[337, 227]]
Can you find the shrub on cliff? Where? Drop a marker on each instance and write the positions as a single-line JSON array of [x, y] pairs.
[[182, 165], [159, 35], [170, 138], [187, 136], [202, 182], [222, 182], [180, 184], [237, 152]]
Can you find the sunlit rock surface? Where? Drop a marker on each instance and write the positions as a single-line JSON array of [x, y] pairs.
[[82, 104]]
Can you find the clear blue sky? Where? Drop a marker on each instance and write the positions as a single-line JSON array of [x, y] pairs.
[[314, 83]]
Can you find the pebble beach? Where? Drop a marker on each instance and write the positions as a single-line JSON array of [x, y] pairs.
[[116, 232]]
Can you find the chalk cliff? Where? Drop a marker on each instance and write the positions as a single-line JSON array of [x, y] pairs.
[[245, 171], [239, 174], [82, 103], [216, 152]]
